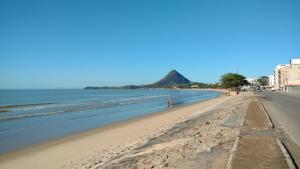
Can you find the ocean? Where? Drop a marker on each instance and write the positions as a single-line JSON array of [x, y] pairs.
[[29, 117]]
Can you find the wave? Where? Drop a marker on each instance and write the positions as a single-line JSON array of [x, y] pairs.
[[137, 98], [37, 106], [24, 105], [70, 109]]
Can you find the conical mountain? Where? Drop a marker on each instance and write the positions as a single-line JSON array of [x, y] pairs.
[[173, 78]]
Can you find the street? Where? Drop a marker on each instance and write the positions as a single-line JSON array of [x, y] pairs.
[[284, 110]]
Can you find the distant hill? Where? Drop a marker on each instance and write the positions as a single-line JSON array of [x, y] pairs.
[[103, 87], [173, 78]]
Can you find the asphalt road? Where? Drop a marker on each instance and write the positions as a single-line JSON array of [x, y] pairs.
[[284, 110]]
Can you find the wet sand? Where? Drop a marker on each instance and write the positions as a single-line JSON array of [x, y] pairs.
[[108, 146]]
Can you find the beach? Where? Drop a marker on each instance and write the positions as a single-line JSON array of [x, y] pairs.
[[37, 116], [149, 84], [145, 141]]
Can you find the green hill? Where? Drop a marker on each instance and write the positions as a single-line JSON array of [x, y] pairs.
[[173, 78]]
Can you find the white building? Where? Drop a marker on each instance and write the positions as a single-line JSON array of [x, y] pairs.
[[295, 61], [271, 81]]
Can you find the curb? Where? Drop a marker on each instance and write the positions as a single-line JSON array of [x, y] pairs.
[[282, 147], [243, 119], [267, 115], [232, 152], [286, 155], [236, 142], [242, 123]]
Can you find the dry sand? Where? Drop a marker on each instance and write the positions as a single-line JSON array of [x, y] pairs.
[[186, 137]]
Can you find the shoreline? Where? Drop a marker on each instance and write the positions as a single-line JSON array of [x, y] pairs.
[[95, 130], [56, 146], [60, 139]]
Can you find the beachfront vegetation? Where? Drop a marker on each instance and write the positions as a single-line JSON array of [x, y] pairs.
[[198, 85], [233, 81]]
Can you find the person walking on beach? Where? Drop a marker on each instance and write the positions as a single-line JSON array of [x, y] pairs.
[[170, 103]]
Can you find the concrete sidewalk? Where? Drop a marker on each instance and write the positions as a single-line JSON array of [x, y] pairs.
[[257, 147]]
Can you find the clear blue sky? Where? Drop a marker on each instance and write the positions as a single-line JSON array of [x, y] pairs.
[[71, 44]]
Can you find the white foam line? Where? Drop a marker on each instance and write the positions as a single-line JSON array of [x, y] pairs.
[[136, 98], [41, 107], [28, 115], [62, 111], [128, 99]]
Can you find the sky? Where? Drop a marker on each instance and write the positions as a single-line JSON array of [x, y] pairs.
[[72, 44]]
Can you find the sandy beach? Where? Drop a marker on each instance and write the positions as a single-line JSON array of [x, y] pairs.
[[200, 134]]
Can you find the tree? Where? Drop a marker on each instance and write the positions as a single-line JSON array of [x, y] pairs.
[[263, 80], [233, 80]]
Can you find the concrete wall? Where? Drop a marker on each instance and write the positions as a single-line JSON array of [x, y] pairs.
[[293, 89]]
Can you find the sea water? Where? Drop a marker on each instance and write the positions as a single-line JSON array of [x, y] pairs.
[[33, 116]]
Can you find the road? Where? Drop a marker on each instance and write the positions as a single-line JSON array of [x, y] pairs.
[[284, 110]]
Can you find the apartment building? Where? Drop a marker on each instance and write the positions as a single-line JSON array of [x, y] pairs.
[[287, 76], [277, 76]]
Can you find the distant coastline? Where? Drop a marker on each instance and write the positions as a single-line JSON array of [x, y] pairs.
[[111, 87], [173, 80]]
